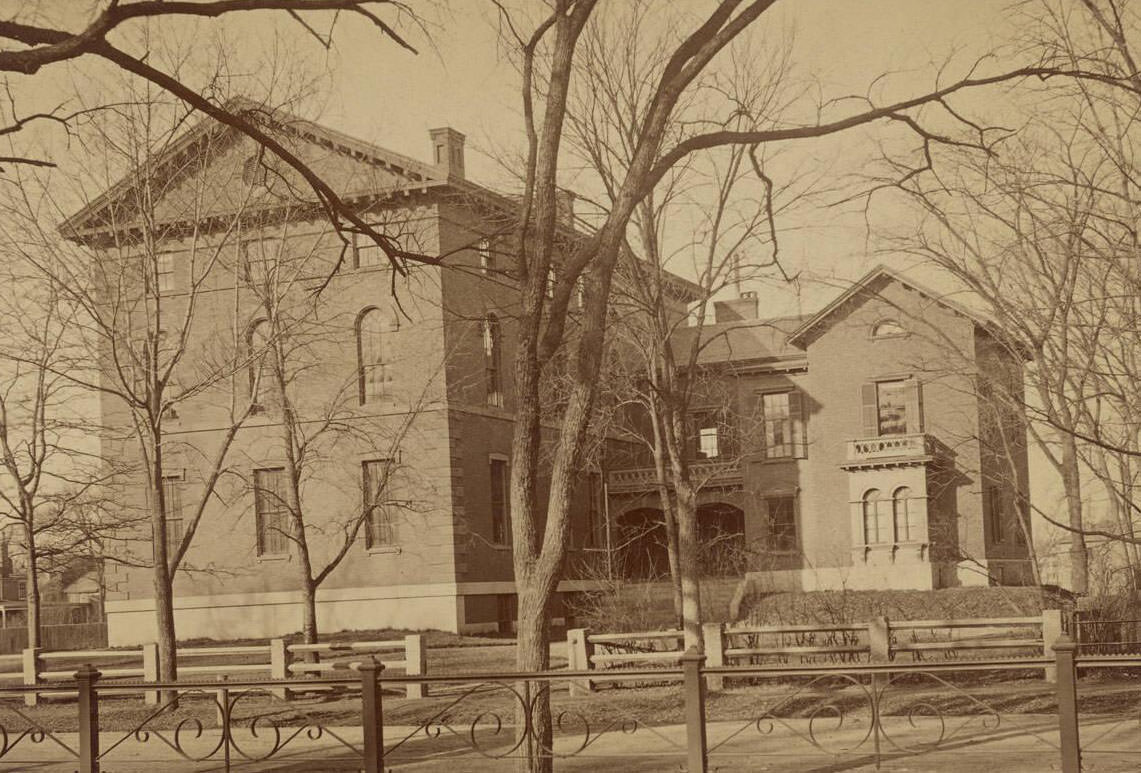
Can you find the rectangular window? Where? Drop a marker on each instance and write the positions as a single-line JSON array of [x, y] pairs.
[[711, 435], [782, 414], [892, 408], [379, 529], [996, 515], [552, 278], [500, 530], [164, 268], [782, 522], [366, 252], [594, 494], [173, 515], [259, 261], [271, 511], [486, 258]]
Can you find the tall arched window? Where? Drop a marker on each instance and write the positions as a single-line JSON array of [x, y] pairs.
[[905, 527], [493, 360], [257, 345], [877, 526], [374, 370]]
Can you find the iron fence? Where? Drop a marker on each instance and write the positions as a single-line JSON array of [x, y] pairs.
[[872, 711]]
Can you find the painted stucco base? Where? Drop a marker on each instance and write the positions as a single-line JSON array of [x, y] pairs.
[[260, 615]]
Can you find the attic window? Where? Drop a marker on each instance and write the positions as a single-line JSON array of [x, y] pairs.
[[888, 328]]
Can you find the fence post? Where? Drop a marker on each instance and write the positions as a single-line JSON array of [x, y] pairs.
[[88, 703], [579, 651], [1051, 632], [415, 664], [279, 666], [714, 637], [693, 683], [1067, 676], [31, 667], [879, 640], [372, 716], [150, 671]]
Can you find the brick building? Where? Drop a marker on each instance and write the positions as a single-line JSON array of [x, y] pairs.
[[856, 447], [418, 381]]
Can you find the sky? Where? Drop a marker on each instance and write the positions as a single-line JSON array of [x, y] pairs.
[[461, 76]]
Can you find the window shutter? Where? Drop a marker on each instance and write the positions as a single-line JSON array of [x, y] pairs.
[[870, 411], [797, 425], [914, 407]]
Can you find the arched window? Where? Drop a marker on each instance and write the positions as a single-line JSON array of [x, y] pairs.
[[260, 374], [877, 526], [493, 360], [906, 530], [374, 370], [887, 328]]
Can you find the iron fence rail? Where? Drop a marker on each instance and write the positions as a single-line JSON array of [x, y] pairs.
[[495, 716]]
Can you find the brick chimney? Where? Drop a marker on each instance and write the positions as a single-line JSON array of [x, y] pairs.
[[736, 310], [448, 152]]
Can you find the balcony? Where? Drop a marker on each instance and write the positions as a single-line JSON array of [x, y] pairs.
[[702, 473], [890, 449]]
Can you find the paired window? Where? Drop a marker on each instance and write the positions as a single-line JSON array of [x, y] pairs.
[[888, 521], [493, 360], [374, 333], [892, 407], [782, 522], [500, 499], [380, 530], [782, 416], [172, 511], [271, 511]]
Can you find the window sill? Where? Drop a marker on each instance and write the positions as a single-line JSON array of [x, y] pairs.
[[383, 550], [273, 557], [499, 546]]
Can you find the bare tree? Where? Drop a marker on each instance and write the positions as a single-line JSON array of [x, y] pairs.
[[51, 474], [547, 51], [299, 355], [720, 208], [145, 261]]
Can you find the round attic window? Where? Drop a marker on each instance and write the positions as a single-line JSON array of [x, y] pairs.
[[887, 328]]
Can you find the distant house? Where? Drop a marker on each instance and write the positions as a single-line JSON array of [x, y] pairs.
[[854, 448]]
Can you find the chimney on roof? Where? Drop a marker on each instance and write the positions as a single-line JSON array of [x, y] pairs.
[[736, 310], [564, 206], [448, 152]]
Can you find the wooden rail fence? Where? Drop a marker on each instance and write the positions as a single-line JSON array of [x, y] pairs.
[[276, 660], [877, 640]]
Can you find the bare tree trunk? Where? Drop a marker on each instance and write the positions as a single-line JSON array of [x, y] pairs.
[[31, 574], [689, 564], [532, 653], [669, 516], [1071, 481]]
